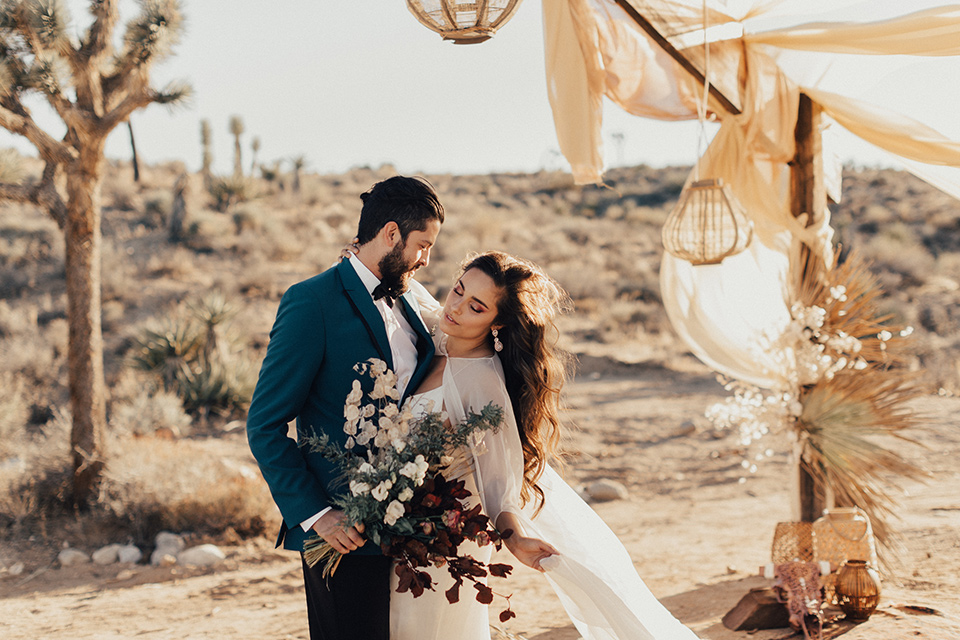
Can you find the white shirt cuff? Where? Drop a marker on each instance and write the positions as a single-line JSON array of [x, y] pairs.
[[309, 522]]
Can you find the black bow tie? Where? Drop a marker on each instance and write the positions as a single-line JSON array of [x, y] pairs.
[[381, 291]]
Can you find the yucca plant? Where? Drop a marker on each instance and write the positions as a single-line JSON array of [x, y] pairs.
[[91, 87], [227, 192], [193, 357]]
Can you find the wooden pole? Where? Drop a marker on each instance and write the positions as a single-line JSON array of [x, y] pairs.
[[808, 196]]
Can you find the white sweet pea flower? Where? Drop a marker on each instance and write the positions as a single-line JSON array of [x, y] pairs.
[[415, 469], [359, 488], [394, 512], [382, 490], [398, 445], [366, 467], [405, 495]]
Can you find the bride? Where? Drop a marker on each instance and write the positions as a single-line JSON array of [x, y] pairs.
[[495, 343]]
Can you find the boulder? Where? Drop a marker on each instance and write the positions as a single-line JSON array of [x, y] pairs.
[[168, 544], [606, 490], [107, 554], [69, 557], [204, 555], [129, 553]]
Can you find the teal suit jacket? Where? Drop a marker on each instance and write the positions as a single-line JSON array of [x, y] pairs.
[[324, 326]]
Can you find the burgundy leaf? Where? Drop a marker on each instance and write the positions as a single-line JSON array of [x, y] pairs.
[[484, 593], [500, 570], [453, 593], [506, 614]]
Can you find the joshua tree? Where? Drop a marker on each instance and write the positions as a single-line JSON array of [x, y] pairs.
[[236, 128], [255, 145], [133, 151], [206, 140], [92, 88], [299, 162]]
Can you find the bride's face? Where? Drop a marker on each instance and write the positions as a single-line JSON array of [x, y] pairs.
[[471, 307]]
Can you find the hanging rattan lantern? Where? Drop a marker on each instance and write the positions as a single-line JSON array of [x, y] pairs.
[[463, 22], [707, 224]]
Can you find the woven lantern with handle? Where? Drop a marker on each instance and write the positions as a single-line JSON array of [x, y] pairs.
[[463, 22], [707, 224]]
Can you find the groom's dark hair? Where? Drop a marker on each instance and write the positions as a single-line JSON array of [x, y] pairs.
[[409, 201]]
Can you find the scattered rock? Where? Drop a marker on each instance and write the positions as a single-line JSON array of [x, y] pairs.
[[16, 569], [685, 429], [166, 560], [129, 553], [606, 490], [204, 555], [69, 557], [107, 555], [168, 544]]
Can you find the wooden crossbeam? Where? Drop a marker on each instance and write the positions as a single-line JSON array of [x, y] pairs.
[[674, 53]]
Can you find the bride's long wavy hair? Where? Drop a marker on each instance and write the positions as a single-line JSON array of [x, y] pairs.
[[534, 367]]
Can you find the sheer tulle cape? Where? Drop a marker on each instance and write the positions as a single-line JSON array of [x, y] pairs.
[[593, 576]]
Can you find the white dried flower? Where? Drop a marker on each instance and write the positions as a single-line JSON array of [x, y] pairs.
[[382, 490], [359, 488], [394, 512]]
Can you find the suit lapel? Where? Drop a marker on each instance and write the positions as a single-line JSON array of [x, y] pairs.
[[425, 346], [363, 303]]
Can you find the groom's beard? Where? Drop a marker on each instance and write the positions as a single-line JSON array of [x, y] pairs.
[[395, 271]]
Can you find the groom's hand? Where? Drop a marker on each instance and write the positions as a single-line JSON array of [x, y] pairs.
[[343, 539]]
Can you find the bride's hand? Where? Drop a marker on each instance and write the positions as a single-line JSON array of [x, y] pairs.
[[530, 551], [350, 249]]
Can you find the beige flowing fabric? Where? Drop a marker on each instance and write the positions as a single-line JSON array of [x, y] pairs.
[[730, 314]]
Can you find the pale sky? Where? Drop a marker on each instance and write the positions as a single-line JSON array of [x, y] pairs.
[[363, 83]]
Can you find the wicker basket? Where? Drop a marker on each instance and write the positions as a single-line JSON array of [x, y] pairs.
[[792, 542]]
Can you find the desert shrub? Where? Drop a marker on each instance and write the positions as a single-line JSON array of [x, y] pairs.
[[121, 195], [157, 207], [152, 484], [149, 413], [246, 219], [14, 411], [227, 192]]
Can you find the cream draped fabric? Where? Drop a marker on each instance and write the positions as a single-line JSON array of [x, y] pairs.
[[750, 151]]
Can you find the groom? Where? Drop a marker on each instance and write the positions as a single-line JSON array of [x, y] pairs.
[[325, 325]]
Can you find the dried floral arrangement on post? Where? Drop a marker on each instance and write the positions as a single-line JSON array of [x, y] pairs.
[[850, 386]]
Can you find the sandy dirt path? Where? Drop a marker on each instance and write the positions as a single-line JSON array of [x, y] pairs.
[[695, 532]]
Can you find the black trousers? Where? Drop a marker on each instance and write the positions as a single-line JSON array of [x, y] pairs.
[[353, 603]]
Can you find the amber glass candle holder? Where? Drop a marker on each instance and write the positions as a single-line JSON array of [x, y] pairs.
[[857, 589]]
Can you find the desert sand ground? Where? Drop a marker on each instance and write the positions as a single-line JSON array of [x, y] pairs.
[[695, 532]]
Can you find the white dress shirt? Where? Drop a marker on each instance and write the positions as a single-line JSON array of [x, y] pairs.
[[402, 338]]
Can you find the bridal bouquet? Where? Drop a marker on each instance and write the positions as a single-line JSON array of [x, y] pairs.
[[393, 467]]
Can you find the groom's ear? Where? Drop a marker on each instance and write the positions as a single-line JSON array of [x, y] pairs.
[[390, 234]]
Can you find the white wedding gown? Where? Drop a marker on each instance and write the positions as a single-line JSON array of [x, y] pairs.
[[593, 576]]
